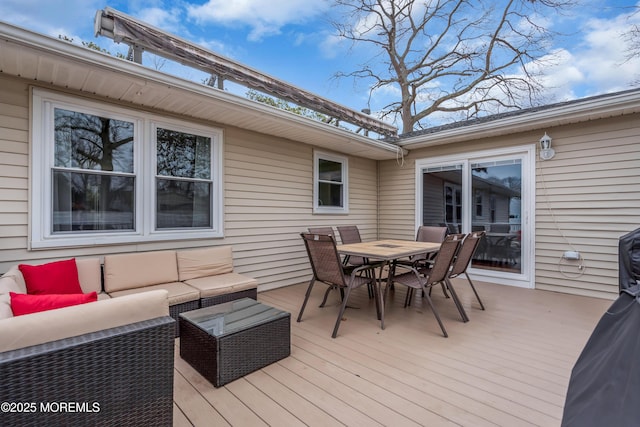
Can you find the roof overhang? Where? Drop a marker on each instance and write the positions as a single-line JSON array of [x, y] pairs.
[[59, 64], [573, 112]]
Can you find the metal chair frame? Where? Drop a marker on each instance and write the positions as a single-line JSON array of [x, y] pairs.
[[437, 274], [328, 269]]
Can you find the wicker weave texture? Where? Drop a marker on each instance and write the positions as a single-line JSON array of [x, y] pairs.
[[127, 371], [176, 309], [219, 299], [222, 360]]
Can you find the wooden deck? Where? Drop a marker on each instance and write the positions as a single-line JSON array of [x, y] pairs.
[[508, 366]]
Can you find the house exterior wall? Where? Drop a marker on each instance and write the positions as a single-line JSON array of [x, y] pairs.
[[268, 187], [587, 196]]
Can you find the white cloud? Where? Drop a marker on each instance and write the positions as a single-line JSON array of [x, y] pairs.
[[331, 46], [596, 62], [264, 17], [168, 20]]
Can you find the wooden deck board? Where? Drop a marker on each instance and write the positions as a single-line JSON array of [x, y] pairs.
[[507, 366]]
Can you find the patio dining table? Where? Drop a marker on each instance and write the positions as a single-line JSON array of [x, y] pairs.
[[387, 251]]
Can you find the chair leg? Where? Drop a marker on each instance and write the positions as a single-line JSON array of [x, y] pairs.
[[456, 300], [435, 312], [342, 309], [408, 298], [474, 291], [370, 289], [326, 294], [306, 298], [444, 290]]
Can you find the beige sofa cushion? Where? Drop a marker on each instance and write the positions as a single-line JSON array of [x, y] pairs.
[[23, 331], [18, 277], [222, 284], [8, 284], [89, 274], [178, 292], [139, 270], [194, 263]]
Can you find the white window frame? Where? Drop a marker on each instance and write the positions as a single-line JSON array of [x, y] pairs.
[[344, 161], [42, 161], [526, 153]]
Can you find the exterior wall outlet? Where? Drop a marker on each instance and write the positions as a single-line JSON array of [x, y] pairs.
[[571, 255]]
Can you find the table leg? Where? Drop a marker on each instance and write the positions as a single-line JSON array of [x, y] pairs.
[[380, 297]]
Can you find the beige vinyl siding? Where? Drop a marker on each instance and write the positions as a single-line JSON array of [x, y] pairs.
[[587, 197], [14, 124], [268, 203], [268, 187], [397, 199]]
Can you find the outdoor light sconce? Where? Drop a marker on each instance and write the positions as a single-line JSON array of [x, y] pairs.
[[546, 152]]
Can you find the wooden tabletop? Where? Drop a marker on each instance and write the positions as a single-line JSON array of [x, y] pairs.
[[388, 250]]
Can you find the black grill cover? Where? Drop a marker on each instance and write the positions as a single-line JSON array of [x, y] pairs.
[[629, 259], [605, 381]]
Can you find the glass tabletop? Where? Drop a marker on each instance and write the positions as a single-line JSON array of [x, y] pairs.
[[233, 316]]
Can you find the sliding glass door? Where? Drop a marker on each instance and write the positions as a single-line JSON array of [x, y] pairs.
[[486, 191]]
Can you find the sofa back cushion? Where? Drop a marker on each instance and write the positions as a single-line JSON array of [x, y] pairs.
[[14, 272], [89, 274], [136, 270], [194, 263], [9, 284]]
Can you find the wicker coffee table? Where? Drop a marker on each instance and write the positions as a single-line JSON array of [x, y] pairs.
[[227, 341]]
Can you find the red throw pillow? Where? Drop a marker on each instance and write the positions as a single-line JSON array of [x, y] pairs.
[[27, 304], [59, 277]]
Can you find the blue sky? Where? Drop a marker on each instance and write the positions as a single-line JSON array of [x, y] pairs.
[[293, 41]]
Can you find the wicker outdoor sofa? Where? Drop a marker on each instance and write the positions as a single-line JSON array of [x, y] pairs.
[[108, 362], [194, 278]]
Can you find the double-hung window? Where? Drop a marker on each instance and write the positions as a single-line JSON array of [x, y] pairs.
[[107, 175], [331, 189]]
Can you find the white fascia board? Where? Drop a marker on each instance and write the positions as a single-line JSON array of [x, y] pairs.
[[590, 109]]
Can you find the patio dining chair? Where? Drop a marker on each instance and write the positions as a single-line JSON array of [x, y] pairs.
[[463, 259], [328, 269], [427, 233], [351, 234], [323, 230], [437, 274]]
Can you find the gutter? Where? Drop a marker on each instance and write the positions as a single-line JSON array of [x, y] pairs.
[[577, 111]]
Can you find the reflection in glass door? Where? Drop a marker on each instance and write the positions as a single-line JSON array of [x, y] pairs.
[[442, 197], [472, 195], [497, 200]]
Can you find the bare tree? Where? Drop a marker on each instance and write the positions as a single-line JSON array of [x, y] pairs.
[[449, 56], [632, 37]]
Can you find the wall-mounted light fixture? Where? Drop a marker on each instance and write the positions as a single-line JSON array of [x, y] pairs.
[[546, 152]]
